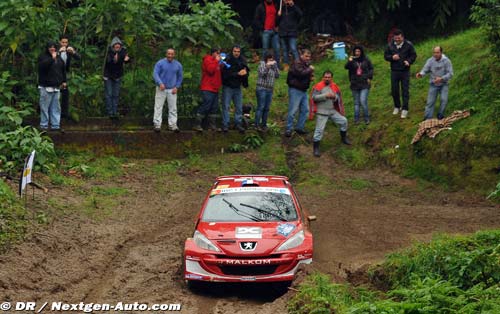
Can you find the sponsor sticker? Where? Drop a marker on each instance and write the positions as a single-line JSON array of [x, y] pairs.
[[250, 189], [248, 233], [246, 278], [285, 229]]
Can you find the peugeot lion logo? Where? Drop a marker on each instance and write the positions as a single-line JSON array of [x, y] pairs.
[[248, 246]]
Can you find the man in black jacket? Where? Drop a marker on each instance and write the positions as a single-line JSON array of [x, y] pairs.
[[67, 54], [51, 78], [298, 80], [289, 19], [113, 71], [401, 54], [234, 75], [266, 22]]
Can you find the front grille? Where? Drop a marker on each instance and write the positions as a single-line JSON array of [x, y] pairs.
[[248, 270]]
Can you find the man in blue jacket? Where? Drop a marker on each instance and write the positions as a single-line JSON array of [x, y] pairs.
[[168, 78]]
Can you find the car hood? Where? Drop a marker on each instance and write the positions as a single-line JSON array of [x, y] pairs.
[[228, 236]]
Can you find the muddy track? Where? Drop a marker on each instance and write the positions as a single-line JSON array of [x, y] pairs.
[[134, 252]]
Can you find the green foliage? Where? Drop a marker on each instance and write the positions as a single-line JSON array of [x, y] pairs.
[[147, 27], [495, 194], [17, 141], [463, 261], [486, 14], [253, 141], [450, 275]]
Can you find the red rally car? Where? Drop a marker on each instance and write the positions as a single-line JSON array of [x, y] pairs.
[[250, 228]]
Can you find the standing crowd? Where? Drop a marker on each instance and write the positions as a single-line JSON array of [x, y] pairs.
[[279, 32]]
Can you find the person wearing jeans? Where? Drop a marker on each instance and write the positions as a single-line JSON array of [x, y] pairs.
[[51, 78], [267, 72], [168, 75], [298, 80], [113, 71], [360, 75], [266, 15], [210, 84], [441, 70], [289, 18], [234, 76]]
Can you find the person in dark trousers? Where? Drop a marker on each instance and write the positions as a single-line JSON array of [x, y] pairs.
[[360, 75], [234, 76], [265, 21], [113, 71], [298, 80], [401, 55], [51, 78], [288, 28], [67, 54], [211, 82]]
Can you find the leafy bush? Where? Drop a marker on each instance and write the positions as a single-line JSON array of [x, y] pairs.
[[486, 14], [17, 141], [447, 276]]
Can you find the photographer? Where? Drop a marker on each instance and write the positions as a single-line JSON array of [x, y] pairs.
[[67, 54], [113, 71]]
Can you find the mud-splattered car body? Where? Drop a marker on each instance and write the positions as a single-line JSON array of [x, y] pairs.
[[250, 228]]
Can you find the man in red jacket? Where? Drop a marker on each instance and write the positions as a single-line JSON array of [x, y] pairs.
[[211, 82]]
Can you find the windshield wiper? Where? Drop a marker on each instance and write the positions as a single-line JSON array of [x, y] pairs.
[[263, 211], [241, 213]]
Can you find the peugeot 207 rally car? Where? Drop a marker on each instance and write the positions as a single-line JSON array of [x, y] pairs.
[[250, 228]]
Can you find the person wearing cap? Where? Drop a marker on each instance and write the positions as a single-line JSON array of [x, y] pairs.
[[116, 56], [51, 78], [326, 103], [168, 78], [360, 75]]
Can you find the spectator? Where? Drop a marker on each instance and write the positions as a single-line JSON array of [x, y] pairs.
[[234, 76], [113, 71], [168, 78], [289, 19], [266, 74], [298, 80], [401, 54], [51, 78], [326, 103], [266, 16], [441, 70], [360, 75], [67, 54], [210, 84]]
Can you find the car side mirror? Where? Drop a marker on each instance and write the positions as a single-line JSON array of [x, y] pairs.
[[311, 218]]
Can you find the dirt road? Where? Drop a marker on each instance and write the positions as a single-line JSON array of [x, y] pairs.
[[133, 251]]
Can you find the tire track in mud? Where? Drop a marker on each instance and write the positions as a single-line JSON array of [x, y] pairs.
[[135, 254]]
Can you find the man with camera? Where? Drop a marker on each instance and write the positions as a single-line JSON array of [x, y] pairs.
[[67, 54]]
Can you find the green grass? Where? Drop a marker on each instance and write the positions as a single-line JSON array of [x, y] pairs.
[[466, 157], [446, 276], [13, 217]]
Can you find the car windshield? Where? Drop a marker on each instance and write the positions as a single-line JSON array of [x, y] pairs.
[[250, 206]]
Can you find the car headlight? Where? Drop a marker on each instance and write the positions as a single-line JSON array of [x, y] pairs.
[[202, 242], [293, 242]]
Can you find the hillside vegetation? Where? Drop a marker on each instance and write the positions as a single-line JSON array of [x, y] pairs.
[[466, 157]]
